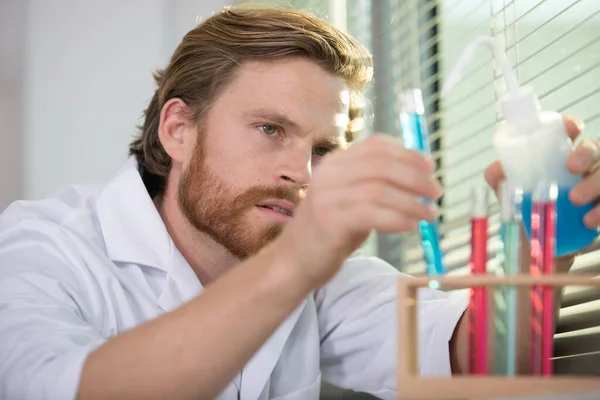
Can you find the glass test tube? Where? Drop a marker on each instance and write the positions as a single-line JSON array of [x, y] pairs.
[[506, 296], [543, 243], [415, 137], [478, 302]]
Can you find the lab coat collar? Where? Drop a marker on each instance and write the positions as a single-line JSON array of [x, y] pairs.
[[131, 225], [182, 284], [135, 233]]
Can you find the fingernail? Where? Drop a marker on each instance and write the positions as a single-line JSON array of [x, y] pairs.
[[580, 124], [430, 163], [439, 191], [434, 211]]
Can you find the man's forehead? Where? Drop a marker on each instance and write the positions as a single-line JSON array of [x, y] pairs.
[[297, 74]]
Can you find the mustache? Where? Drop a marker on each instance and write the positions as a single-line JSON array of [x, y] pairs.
[[258, 193]]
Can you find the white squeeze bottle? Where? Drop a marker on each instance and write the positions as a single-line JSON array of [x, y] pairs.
[[533, 147]]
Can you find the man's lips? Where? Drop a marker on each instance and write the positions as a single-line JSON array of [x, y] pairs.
[[281, 206]]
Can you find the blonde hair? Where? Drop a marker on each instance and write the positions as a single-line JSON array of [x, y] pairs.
[[210, 54]]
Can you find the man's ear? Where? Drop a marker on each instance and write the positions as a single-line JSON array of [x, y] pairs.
[[174, 118]]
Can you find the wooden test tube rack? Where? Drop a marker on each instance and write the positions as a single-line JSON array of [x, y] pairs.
[[414, 387]]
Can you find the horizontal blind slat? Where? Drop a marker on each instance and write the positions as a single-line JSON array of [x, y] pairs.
[[576, 296], [577, 342]]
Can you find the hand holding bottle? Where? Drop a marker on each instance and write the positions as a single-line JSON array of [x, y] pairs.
[[582, 161], [534, 147]]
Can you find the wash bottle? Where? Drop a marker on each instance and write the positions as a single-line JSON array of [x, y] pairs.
[[533, 147]]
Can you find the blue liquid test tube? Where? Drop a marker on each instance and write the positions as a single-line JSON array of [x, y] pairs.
[[415, 137]]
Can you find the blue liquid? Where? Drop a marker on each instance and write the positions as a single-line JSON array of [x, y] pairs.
[[414, 132], [431, 248], [415, 137], [572, 235]]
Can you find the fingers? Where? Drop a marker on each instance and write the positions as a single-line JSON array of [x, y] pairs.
[[365, 201], [381, 219], [402, 176], [382, 160], [376, 184], [586, 191], [494, 174], [387, 196], [574, 126], [584, 161], [584, 157], [592, 218], [382, 145]]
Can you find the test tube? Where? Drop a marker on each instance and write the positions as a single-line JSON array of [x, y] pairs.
[[415, 137], [543, 243], [506, 296], [478, 263]]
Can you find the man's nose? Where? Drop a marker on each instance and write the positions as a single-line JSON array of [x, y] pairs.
[[296, 169]]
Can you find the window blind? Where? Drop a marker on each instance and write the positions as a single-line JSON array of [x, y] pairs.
[[554, 46]]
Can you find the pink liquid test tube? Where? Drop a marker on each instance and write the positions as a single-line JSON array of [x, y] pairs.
[[478, 306], [543, 246]]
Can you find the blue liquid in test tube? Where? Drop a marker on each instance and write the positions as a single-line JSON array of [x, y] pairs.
[[415, 137]]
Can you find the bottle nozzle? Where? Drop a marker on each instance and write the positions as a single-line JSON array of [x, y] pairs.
[[520, 104], [464, 59]]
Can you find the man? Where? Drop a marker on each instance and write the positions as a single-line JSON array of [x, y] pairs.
[[218, 262]]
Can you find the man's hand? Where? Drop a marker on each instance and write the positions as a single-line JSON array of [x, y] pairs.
[[584, 161], [373, 185]]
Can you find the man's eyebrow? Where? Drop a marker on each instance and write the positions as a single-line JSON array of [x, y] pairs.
[[332, 142], [273, 116]]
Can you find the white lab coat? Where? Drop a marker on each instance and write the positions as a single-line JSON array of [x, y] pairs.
[[89, 262]]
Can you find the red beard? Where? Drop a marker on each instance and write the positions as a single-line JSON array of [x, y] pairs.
[[216, 210]]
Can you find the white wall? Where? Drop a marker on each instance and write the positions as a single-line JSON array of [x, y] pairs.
[[86, 80], [12, 15]]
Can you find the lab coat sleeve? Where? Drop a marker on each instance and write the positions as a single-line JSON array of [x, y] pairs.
[[44, 339], [357, 313]]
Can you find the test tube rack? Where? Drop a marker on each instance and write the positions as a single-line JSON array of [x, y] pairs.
[[467, 387]]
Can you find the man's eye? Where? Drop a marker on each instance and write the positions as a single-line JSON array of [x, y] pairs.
[[268, 130], [321, 151]]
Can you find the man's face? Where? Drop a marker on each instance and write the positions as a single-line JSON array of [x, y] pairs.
[[253, 159]]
